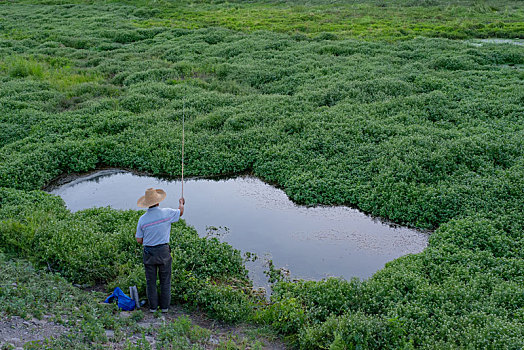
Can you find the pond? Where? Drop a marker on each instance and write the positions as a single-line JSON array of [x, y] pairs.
[[497, 41], [252, 216]]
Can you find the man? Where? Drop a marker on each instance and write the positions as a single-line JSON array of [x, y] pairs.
[[152, 232]]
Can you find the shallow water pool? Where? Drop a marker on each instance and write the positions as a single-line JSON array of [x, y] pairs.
[[311, 242]]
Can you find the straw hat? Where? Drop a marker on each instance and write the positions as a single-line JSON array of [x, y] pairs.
[[152, 197]]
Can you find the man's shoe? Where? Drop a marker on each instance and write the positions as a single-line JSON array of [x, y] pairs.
[[152, 310], [165, 310]]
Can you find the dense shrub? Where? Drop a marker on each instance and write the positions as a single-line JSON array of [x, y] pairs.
[[356, 331]]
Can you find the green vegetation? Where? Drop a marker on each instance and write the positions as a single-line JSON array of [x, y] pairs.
[[363, 19], [56, 72], [357, 19], [423, 131]]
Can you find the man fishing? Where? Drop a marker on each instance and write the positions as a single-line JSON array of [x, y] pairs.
[[152, 231]]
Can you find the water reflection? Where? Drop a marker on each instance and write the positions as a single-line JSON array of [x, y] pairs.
[[312, 243]]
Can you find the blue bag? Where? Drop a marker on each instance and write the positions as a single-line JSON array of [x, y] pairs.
[[123, 301]]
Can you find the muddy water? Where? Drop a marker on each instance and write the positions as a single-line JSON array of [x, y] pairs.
[[312, 243]]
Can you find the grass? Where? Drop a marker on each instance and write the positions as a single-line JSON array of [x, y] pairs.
[[369, 20], [363, 20], [58, 73]]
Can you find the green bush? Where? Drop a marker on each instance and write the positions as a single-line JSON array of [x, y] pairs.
[[356, 331], [287, 316], [225, 303]]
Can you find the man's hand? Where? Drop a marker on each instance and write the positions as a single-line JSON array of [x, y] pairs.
[[140, 240], [181, 203]]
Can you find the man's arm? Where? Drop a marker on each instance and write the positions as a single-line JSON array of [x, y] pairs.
[[181, 203], [139, 233]]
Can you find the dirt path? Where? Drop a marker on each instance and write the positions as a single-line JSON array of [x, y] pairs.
[[15, 331], [219, 330]]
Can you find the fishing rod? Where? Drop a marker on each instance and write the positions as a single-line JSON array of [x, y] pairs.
[[183, 136]]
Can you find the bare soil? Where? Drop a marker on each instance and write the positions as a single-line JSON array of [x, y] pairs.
[[15, 331]]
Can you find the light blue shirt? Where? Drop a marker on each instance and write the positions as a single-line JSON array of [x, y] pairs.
[[155, 225]]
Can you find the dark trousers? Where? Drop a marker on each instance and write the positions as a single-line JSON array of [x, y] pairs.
[[157, 262]]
